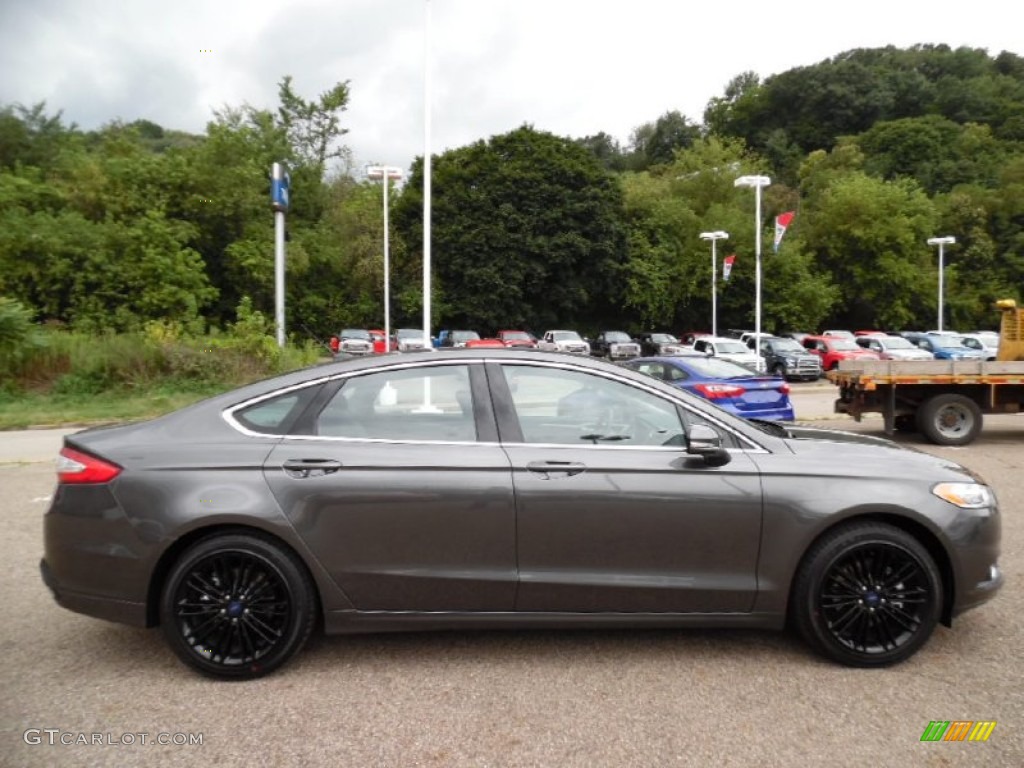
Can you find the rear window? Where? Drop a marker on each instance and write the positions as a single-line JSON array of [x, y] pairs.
[[276, 415]]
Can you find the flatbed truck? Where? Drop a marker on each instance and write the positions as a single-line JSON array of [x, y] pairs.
[[944, 400]]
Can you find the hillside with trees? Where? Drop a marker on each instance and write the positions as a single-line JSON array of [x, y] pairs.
[[876, 151]]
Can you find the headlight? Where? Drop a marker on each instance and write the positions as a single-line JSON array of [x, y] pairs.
[[965, 495]]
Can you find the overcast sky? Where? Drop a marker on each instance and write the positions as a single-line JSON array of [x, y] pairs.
[[572, 67]]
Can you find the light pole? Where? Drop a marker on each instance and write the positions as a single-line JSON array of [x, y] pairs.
[[714, 237], [385, 173], [941, 241], [757, 182]]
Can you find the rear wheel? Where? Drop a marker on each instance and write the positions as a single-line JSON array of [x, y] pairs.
[[779, 370], [867, 595], [237, 606], [950, 419]]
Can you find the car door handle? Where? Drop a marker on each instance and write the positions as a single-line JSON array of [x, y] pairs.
[[303, 468], [556, 468]]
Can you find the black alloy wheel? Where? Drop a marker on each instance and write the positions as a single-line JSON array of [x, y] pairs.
[[867, 595], [237, 606]]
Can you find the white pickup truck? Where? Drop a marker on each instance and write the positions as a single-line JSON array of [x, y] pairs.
[[564, 341]]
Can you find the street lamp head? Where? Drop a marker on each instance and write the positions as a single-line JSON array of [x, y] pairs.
[[752, 181], [379, 171], [716, 235], [948, 240]]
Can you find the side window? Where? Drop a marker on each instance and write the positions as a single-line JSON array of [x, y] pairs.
[[275, 415], [656, 370], [700, 346], [676, 374], [564, 407], [416, 404]]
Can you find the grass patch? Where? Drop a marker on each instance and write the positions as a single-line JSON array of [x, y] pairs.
[[72, 379], [57, 410]]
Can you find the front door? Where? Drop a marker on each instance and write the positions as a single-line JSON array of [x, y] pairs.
[[613, 515]]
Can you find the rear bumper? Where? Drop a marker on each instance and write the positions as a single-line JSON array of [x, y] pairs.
[[769, 414], [121, 611]]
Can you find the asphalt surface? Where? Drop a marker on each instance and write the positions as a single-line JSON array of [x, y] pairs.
[[623, 698]]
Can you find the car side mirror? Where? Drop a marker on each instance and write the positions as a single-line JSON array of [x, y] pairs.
[[705, 442]]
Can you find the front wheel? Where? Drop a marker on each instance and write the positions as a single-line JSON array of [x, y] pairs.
[[867, 595], [950, 420], [237, 606]]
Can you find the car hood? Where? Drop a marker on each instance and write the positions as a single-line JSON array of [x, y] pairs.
[[861, 454]]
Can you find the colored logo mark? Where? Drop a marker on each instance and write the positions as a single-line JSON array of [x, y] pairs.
[[958, 730]]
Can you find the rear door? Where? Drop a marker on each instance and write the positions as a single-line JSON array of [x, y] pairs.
[[402, 492]]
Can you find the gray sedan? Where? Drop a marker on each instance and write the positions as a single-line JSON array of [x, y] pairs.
[[500, 489]]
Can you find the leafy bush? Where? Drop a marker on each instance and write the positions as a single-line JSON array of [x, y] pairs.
[[19, 335]]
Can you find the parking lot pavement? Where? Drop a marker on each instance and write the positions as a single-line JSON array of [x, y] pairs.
[[31, 445], [625, 698]]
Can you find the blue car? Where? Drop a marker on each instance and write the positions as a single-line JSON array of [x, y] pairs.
[[735, 388], [944, 347]]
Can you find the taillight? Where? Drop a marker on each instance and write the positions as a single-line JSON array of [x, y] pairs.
[[75, 467], [784, 389], [719, 391]]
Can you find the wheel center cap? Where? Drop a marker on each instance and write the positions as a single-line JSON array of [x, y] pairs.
[[872, 598], [235, 609]]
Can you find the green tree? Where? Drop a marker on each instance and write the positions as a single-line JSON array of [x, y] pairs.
[[526, 231], [870, 235], [314, 126]]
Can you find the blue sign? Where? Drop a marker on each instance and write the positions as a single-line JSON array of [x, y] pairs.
[[279, 182]]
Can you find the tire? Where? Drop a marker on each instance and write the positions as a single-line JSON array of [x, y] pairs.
[[949, 419], [867, 595], [237, 606], [779, 370]]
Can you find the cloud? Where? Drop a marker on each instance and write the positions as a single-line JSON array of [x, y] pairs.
[[571, 67]]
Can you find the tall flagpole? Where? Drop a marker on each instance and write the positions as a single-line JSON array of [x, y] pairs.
[[426, 179]]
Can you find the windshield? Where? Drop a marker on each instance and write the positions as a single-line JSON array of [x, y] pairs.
[[844, 345], [616, 336], [946, 342], [409, 333], [465, 335], [355, 333], [515, 335], [731, 348], [786, 345], [898, 343], [664, 338], [566, 336]]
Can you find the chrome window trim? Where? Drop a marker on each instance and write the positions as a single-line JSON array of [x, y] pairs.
[[228, 414]]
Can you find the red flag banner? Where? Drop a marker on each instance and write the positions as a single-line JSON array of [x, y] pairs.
[[727, 263], [781, 223]]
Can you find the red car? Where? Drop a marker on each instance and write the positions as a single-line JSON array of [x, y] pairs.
[[517, 339], [832, 349], [379, 344], [485, 343]]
